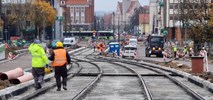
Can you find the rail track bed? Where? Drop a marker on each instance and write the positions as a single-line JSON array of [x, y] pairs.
[[97, 78]]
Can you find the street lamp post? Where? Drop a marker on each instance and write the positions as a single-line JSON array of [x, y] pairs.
[[119, 29], [113, 27]]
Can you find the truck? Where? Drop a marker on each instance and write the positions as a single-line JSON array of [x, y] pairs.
[[154, 45]]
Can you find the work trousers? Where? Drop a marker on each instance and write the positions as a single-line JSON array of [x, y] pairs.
[[38, 75], [61, 71]]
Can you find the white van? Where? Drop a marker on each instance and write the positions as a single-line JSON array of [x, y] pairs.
[[129, 51], [133, 42], [71, 41]]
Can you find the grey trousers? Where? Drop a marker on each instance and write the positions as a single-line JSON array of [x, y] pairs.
[[38, 75]]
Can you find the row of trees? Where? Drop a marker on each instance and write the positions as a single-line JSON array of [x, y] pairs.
[[30, 15], [197, 17]]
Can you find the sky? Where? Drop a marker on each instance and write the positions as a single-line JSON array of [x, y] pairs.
[[110, 5]]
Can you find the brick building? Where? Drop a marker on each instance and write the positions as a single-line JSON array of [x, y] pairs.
[[79, 15]]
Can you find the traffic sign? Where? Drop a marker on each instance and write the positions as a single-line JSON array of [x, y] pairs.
[[164, 31], [60, 18]]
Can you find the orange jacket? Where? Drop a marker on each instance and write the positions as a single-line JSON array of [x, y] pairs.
[[59, 57]]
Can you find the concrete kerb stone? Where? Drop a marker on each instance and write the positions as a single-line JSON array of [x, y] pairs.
[[20, 88]]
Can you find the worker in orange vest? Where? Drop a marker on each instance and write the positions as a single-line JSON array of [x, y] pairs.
[[60, 58], [6, 46]]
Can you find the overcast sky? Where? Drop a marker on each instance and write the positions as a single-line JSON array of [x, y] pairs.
[[110, 5]]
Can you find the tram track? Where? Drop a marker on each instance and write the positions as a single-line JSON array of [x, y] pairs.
[[102, 78], [195, 91]]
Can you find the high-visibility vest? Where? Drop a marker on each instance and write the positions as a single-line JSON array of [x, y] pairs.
[[184, 50], [174, 49], [59, 57]]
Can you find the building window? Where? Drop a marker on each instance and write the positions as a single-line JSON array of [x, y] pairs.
[[171, 1], [82, 14], [82, 9], [72, 9], [170, 6], [77, 14], [76, 9], [83, 19], [171, 11]]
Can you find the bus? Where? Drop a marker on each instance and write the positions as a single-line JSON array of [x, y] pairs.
[[154, 45]]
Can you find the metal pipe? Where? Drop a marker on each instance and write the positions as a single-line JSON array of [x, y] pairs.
[[12, 74], [26, 77]]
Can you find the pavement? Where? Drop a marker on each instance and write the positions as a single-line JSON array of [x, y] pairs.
[[23, 61]]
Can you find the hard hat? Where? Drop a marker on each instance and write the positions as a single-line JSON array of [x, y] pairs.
[[47, 70], [59, 44]]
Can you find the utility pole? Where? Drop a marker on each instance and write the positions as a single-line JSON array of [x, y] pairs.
[[113, 27], [119, 29]]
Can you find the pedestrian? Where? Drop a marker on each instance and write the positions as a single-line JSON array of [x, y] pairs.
[[60, 58], [185, 51], [39, 60], [175, 52], [203, 53], [191, 52]]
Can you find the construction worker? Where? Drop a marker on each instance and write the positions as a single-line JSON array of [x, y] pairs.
[[175, 52], [191, 52], [185, 51], [60, 58], [39, 60], [203, 53]]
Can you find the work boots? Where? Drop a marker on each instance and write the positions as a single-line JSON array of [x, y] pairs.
[[64, 87], [58, 89]]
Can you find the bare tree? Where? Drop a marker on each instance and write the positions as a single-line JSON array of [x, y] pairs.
[[19, 14], [195, 15]]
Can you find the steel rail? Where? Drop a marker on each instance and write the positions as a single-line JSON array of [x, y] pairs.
[[187, 89], [147, 91], [144, 86], [91, 84]]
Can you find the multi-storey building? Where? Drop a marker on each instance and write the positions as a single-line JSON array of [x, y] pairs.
[[124, 12], [79, 15], [153, 12], [169, 14]]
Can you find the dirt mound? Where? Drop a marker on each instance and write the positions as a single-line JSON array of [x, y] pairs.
[[182, 67], [4, 84]]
